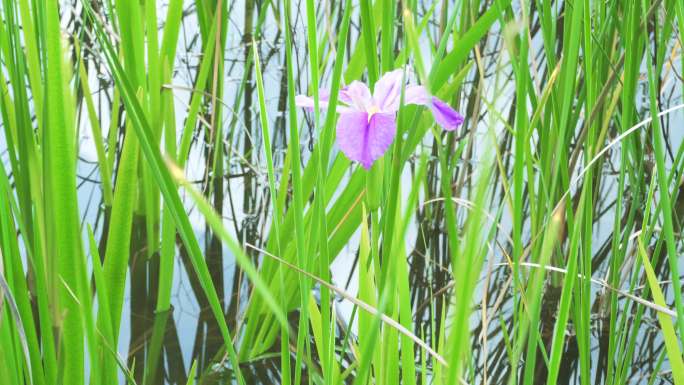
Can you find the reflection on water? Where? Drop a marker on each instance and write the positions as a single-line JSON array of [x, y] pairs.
[[160, 347]]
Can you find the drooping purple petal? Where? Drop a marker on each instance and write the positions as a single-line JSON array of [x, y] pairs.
[[357, 95], [444, 115], [388, 90], [308, 101], [352, 132], [382, 128], [363, 140]]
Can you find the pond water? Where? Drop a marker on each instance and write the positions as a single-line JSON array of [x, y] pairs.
[[188, 332]]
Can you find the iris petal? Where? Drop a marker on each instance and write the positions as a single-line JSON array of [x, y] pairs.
[[352, 130], [444, 115], [388, 90], [308, 101], [381, 131], [357, 95], [305, 101], [416, 95], [344, 96], [363, 140]]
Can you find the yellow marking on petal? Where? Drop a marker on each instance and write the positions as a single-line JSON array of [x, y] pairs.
[[372, 110]]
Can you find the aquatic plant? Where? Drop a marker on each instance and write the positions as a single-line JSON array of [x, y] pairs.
[[169, 214], [367, 123]]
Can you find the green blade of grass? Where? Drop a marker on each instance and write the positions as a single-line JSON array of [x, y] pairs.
[[169, 191], [666, 327], [64, 238]]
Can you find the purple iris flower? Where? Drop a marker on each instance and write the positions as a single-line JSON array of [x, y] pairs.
[[367, 123]]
